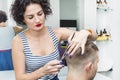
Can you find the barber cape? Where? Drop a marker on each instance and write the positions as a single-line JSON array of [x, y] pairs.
[[6, 35]]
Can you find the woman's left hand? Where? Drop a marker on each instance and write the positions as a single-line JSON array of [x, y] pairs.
[[77, 41]]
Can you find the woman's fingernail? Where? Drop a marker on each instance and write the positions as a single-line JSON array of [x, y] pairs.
[[82, 53], [66, 55], [70, 56], [68, 43], [63, 65], [61, 62]]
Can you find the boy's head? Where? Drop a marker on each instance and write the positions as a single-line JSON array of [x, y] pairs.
[[86, 63], [3, 16]]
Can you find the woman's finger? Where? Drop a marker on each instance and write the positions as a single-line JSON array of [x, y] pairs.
[[69, 39], [54, 62], [71, 47], [55, 68], [83, 48], [75, 49]]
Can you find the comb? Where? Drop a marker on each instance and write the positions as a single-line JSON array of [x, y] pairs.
[[64, 54]]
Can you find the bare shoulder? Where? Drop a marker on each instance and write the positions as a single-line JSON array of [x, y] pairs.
[[17, 38], [17, 44]]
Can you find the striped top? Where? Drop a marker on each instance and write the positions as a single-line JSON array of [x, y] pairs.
[[35, 62]]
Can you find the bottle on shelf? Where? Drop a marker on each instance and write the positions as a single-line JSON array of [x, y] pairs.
[[97, 31], [101, 33], [104, 32], [100, 1], [105, 6], [105, 2], [99, 4]]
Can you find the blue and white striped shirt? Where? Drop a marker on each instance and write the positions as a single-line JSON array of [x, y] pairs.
[[35, 62]]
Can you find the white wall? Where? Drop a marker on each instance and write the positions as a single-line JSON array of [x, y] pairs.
[[86, 13], [90, 14], [11, 22], [54, 19], [68, 9], [3, 4], [115, 30], [80, 14]]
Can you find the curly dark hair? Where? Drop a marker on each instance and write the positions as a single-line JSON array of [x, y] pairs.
[[19, 7], [3, 16]]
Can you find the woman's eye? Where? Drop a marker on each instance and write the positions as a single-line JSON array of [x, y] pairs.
[[39, 14], [30, 17]]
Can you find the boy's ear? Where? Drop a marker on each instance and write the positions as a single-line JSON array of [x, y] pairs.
[[88, 67]]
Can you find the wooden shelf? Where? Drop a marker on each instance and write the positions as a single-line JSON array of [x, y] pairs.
[[103, 38]]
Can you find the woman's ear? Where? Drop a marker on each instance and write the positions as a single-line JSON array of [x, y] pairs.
[[89, 67]]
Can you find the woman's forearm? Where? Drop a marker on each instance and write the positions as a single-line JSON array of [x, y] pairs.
[[32, 76]]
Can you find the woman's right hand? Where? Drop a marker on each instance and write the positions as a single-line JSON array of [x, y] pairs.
[[52, 67]]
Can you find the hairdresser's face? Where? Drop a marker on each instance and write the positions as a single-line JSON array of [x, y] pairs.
[[94, 69], [34, 17]]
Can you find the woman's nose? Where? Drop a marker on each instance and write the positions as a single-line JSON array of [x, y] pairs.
[[37, 19]]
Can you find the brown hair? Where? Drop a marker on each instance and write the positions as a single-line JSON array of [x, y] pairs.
[[89, 55]]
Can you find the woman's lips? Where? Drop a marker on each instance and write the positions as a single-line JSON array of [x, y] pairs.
[[38, 25]]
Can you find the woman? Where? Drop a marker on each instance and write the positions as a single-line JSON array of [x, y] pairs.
[[35, 50], [6, 35]]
